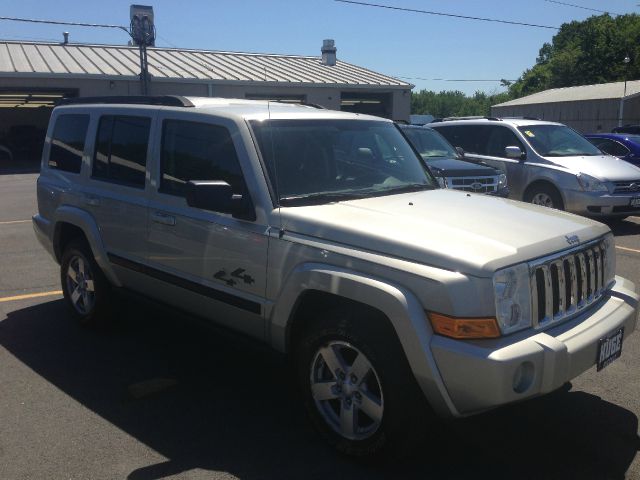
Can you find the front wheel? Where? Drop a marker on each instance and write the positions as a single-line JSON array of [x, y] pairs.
[[357, 385], [545, 196]]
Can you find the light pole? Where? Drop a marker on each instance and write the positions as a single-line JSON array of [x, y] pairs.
[[626, 68]]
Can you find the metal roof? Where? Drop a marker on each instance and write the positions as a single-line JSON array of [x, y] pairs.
[[111, 61], [603, 91]]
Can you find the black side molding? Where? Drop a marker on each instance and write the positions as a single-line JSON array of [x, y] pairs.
[[198, 288]]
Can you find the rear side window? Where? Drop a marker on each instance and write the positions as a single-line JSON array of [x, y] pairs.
[[67, 144], [121, 149], [197, 151], [472, 138]]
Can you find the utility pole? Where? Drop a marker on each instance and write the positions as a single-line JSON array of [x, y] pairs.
[[143, 34], [626, 61]]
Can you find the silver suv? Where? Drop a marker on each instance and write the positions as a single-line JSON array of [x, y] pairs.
[[549, 164], [395, 300]]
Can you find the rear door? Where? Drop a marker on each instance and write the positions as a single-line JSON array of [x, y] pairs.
[[115, 194]]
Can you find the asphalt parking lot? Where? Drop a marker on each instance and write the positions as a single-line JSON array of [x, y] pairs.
[[156, 395]]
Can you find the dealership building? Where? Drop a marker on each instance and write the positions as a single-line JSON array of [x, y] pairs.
[[587, 108], [36, 75]]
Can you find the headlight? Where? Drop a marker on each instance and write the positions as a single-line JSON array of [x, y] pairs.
[[502, 181], [513, 298], [442, 182], [591, 184], [609, 264]]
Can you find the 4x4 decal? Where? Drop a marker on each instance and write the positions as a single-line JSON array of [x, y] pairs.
[[237, 273]]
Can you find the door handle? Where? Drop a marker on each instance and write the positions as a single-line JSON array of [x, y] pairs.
[[163, 218], [92, 201]]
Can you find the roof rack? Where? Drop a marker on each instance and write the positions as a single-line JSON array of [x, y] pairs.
[[521, 118], [475, 117], [162, 100]]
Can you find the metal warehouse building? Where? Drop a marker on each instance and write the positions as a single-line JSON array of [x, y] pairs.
[[34, 75], [588, 108]]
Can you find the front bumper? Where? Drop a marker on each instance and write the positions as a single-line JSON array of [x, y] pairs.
[[599, 204], [480, 375]]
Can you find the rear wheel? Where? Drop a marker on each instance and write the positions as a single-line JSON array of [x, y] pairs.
[[357, 385], [85, 289]]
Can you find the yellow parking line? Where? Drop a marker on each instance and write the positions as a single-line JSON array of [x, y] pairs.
[[14, 221], [628, 249], [30, 295]]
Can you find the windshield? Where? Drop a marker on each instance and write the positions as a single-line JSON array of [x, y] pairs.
[[558, 141], [318, 161], [429, 143]]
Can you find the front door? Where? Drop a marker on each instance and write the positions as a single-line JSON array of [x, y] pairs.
[[207, 262]]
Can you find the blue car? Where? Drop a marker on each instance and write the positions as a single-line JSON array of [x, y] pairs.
[[622, 145]]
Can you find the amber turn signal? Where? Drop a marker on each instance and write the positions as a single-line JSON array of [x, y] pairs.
[[464, 328]]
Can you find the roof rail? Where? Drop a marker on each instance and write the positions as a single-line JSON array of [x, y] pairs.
[[162, 100], [521, 118], [474, 117]]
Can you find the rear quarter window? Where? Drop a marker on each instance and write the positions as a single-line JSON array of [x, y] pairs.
[[67, 142]]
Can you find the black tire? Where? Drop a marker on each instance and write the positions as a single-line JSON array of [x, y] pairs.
[[93, 308], [404, 413], [545, 195]]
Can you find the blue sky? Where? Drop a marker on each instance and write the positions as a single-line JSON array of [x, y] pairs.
[[392, 42]]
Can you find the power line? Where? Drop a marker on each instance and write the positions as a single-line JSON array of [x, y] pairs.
[[457, 79], [442, 14], [59, 22], [580, 6]]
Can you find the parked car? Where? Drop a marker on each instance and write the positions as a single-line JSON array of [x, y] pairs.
[[623, 146], [5, 153], [448, 166], [395, 299], [549, 164], [632, 129]]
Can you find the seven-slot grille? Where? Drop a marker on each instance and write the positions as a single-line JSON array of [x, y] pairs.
[[565, 284], [627, 186], [474, 184]]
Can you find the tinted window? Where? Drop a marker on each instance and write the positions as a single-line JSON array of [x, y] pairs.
[[121, 149], [67, 143], [197, 151], [472, 138], [610, 146], [499, 139]]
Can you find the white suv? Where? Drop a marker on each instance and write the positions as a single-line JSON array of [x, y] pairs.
[[394, 299], [549, 164]]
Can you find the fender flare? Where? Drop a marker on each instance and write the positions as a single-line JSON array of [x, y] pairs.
[[399, 305], [85, 222]]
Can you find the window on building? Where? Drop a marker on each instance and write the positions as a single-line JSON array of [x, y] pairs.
[[67, 144], [121, 149], [198, 151]]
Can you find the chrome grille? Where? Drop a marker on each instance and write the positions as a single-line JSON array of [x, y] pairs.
[[474, 184], [627, 186], [565, 284]]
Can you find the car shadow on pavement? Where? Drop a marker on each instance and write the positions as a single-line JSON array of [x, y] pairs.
[[621, 228], [230, 407]]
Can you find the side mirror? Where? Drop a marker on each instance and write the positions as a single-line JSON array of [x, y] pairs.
[[460, 151], [217, 196], [514, 152]]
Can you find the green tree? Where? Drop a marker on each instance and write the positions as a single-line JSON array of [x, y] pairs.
[[584, 53]]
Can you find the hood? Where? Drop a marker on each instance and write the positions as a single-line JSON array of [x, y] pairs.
[[449, 167], [457, 231], [603, 167]]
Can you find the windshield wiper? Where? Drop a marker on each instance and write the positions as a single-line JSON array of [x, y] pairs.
[[319, 198], [410, 187]]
